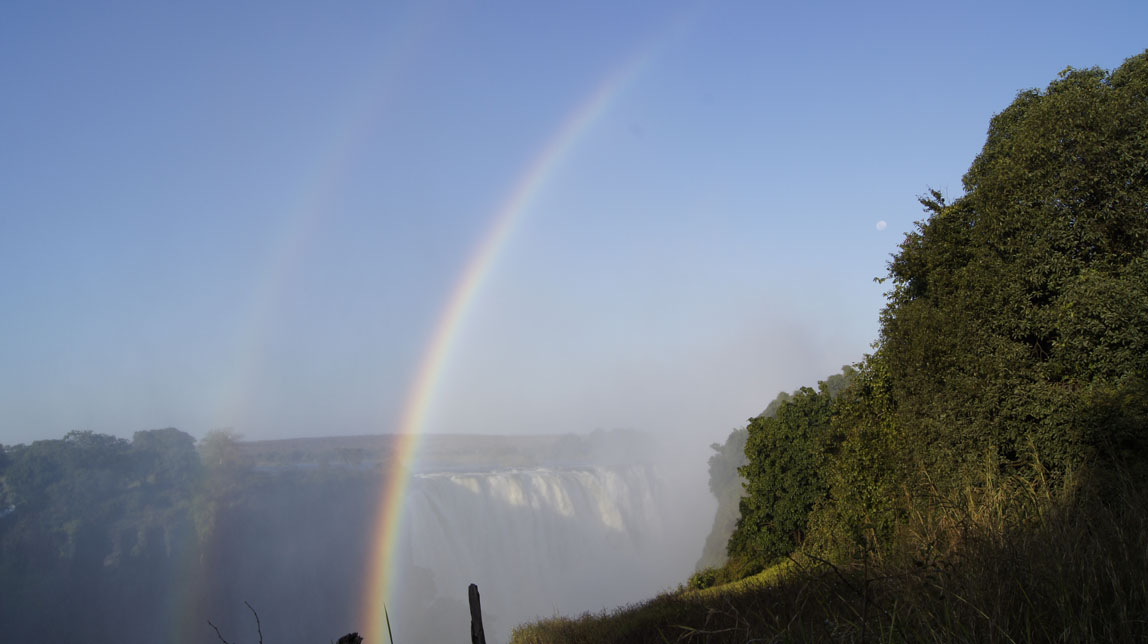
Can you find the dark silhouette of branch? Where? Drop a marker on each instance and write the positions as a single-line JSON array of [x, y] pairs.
[[349, 638], [258, 626], [217, 633], [388, 617]]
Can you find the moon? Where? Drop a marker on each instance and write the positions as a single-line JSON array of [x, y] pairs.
[[881, 225]]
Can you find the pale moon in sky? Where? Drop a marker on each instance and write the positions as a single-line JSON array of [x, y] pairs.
[[881, 225]]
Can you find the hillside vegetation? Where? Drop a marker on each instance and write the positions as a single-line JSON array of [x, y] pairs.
[[979, 476]]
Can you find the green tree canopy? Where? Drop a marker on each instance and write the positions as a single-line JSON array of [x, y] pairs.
[[1028, 292], [786, 454], [1014, 343], [166, 456]]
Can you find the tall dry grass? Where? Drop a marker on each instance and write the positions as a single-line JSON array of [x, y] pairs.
[[1009, 559]]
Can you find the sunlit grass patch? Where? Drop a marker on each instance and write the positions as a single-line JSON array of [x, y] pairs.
[[769, 577], [1071, 571]]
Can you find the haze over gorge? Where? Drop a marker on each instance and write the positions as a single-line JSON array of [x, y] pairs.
[[167, 537], [828, 319]]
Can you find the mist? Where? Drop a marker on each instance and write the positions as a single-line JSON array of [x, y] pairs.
[[161, 544], [577, 243]]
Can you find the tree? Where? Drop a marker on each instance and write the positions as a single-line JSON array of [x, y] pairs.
[[223, 483], [166, 457], [1013, 350], [785, 474], [1029, 291], [34, 469], [728, 485], [220, 449]]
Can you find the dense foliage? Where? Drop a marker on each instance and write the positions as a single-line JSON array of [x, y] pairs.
[[981, 477], [1020, 308], [727, 483], [1014, 345], [104, 539], [92, 516], [785, 473]]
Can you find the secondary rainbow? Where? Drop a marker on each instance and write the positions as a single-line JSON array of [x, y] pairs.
[[389, 513], [404, 41]]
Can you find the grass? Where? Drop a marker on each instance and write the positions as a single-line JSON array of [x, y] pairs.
[[994, 564], [771, 576]]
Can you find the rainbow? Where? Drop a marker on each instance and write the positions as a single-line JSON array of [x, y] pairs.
[[406, 40], [380, 576]]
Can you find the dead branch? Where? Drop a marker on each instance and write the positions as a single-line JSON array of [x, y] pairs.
[[217, 633], [258, 626]]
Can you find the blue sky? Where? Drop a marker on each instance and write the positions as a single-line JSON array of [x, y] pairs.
[[250, 216]]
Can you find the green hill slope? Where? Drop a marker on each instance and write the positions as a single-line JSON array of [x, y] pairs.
[[979, 476]]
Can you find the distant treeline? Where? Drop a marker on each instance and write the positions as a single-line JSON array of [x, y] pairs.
[[109, 540], [104, 539], [1012, 355]]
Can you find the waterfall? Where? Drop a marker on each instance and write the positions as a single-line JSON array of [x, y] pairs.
[[537, 542]]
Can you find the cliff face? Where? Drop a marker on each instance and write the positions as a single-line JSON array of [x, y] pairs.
[[144, 555], [727, 485], [536, 541]]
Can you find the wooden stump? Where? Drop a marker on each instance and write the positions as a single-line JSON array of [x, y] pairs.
[[477, 636]]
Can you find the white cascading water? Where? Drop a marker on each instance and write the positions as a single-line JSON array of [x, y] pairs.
[[538, 542]]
